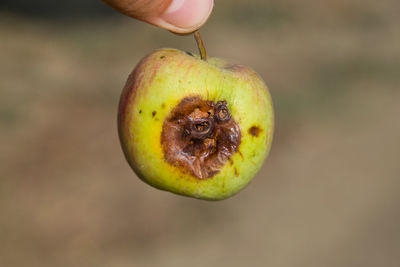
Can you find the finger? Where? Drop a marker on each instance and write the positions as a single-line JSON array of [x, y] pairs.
[[180, 16]]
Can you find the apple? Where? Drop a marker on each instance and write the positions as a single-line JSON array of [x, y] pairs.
[[199, 128]]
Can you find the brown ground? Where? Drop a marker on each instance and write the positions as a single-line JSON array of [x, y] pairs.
[[327, 196]]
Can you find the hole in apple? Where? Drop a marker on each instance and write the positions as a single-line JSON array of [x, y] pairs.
[[199, 136]]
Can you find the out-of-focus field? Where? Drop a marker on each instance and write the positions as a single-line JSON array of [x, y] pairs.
[[328, 194]]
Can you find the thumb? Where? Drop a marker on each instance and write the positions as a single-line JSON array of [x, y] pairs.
[[179, 16]]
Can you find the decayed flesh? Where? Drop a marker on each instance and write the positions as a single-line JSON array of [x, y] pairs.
[[199, 136]]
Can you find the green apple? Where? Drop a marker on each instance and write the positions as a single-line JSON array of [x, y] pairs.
[[193, 127]]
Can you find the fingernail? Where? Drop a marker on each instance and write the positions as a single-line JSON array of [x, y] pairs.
[[188, 14]]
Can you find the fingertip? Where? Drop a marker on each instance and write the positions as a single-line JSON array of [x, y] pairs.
[[185, 16]]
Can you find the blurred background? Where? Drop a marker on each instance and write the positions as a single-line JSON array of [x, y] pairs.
[[328, 195]]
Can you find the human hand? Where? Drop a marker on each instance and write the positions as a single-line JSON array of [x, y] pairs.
[[179, 16]]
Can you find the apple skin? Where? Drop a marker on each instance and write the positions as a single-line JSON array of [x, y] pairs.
[[158, 84]]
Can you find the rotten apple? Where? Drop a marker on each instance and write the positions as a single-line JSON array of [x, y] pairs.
[[199, 128]]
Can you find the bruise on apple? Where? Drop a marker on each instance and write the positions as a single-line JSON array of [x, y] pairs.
[[255, 131], [200, 136]]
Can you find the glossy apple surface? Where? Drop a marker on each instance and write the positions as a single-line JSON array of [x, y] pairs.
[[156, 90]]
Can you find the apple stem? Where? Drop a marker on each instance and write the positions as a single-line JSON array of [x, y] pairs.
[[200, 45]]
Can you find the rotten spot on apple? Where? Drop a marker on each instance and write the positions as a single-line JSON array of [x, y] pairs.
[[199, 136], [255, 131]]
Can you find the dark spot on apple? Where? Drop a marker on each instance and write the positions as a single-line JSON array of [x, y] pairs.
[[236, 172], [162, 57], [200, 136], [153, 113], [140, 111], [255, 131], [240, 153], [190, 54], [162, 105]]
